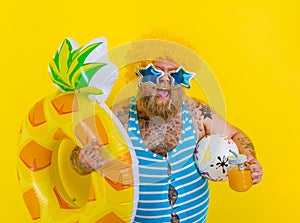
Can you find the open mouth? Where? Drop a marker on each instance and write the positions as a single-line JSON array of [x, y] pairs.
[[163, 94]]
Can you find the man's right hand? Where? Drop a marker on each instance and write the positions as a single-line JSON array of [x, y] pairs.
[[90, 157]]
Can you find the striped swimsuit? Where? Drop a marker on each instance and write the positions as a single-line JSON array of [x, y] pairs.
[[193, 193]]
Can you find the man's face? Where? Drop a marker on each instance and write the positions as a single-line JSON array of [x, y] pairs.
[[162, 100]]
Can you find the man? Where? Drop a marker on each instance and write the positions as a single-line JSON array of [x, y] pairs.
[[165, 126]]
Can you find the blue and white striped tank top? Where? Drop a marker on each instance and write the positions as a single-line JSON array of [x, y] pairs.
[[193, 193]]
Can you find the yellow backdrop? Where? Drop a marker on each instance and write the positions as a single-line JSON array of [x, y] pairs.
[[251, 46]]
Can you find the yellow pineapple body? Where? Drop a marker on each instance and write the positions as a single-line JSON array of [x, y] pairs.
[[52, 190]]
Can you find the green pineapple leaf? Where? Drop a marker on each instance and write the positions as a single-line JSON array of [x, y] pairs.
[[69, 70]]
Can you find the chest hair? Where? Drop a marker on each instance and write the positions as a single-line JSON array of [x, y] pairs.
[[158, 135]]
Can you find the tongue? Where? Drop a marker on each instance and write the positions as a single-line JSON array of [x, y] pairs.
[[163, 93]]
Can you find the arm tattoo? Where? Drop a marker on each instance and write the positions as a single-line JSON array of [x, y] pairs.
[[123, 116], [206, 112], [194, 110], [247, 145]]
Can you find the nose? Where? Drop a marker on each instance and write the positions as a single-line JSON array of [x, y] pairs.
[[165, 77], [165, 81]]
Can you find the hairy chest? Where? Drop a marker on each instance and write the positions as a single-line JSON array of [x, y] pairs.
[[159, 136]]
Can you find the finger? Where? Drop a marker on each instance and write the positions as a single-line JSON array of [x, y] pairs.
[[87, 162], [256, 180], [90, 151], [255, 168], [256, 177], [98, 163], [85, 151], [83, 163], [89, 158], [251, 159], [85, 154], [88, 146], [93, 144]]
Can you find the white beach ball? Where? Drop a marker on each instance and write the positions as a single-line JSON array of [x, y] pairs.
[[211, 156]]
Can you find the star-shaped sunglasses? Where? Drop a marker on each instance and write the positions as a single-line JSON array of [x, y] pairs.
[[151, 75]]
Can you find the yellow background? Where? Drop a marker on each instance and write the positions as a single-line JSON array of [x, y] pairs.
[[251, 46]]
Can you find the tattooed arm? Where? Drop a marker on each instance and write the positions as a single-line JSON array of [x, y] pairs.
[[209, 122], [122, 112], [206, 121], [215, 124], [244, 143]]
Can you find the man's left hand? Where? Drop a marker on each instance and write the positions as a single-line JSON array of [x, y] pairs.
[[255, 168]]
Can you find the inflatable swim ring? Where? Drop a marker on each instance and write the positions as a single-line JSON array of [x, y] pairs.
[[71, 117]]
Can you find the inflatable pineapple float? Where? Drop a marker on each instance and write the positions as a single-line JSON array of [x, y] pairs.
[[74, 116]]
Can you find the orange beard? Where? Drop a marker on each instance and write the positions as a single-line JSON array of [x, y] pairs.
[[148, 102]]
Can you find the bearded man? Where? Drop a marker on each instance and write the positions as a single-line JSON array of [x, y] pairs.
[[164, 126]]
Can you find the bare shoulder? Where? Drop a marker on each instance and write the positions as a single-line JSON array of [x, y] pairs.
[[199, 112], [198, 109], [209, 120], [121, 110]]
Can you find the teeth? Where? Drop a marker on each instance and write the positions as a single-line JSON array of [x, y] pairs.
[[164, 89]]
